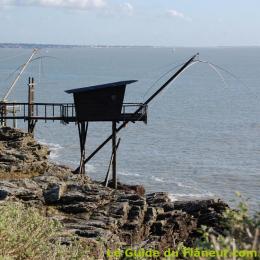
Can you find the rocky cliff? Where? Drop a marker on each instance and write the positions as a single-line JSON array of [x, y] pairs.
[[106, 218]]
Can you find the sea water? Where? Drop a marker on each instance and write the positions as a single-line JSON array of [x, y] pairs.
[[203, 133]]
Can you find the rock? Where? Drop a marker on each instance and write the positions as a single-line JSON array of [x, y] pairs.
[[88, 233], [129, 197], [157, 198], [74, 208], [169, 206], [19, 190], [157, 228], [150, 215], [19, 152], [135, 213], [208, 212], [131, 226], [53, 192], [74, 197], [4, 194], [120, 209], [137, 189], [45, 180], [141, 203], [105, 218]]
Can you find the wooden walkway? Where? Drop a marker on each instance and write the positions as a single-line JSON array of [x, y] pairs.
[[64, 112]]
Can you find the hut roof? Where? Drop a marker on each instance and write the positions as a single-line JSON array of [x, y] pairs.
[[103, 86]]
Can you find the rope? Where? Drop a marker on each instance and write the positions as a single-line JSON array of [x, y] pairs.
[[213, 66], [161, 78], [217, 69]]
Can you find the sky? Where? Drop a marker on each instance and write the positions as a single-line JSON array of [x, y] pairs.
[[131, 22]]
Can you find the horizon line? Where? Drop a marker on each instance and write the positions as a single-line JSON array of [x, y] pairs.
[[118, 45]]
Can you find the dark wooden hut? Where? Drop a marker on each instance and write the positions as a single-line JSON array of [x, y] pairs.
[[101, 102]]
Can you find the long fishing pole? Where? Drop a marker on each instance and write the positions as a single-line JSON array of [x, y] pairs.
[[141, 107], [19, 75]]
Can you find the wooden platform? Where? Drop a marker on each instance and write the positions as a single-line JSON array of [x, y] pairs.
[[64, 112]]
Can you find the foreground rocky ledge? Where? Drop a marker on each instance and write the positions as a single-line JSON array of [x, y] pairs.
[[107, 218]]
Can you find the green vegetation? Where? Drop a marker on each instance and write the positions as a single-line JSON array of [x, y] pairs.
[[241, 234], [26, 234]]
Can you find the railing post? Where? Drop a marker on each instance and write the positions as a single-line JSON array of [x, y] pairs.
[[14, 119], [31, 122], [53, 112], [3, 113]]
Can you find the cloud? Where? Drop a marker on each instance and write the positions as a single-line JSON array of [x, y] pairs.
[[175, 13], [74, 4], [127, 8]]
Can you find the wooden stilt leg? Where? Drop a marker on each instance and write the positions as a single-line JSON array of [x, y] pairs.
[[110, 162], [83, 128], [31, 122], [114, 176]]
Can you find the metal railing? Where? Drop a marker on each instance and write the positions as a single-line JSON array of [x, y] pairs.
[[132, 107], [42, 111], [56, 111]]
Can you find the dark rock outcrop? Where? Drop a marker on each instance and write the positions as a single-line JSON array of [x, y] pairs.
[[98, 213], [107, 218], [20, 153]]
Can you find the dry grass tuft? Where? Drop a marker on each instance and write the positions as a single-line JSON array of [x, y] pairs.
[[26, 234]]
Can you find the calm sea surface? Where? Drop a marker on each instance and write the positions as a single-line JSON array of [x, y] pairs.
[[202, 137]]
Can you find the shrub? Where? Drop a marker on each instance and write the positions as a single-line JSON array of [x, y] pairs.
[[241, 231], [26, 234]]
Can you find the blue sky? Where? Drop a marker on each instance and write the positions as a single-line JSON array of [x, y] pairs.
[[131, 22]]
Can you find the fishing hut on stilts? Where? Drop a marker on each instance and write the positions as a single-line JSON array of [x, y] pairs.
[[100, 103], [104, 103]]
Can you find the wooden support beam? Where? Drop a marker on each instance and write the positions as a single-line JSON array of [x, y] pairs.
[[83, 129], [3, 113], [114, 176], [31, 122], [110, 162]]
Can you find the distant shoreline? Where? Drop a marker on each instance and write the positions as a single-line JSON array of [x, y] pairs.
[[65, 46], [69, 46]]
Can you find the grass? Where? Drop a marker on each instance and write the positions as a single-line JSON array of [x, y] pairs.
[[17, 175], [26, 234]]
